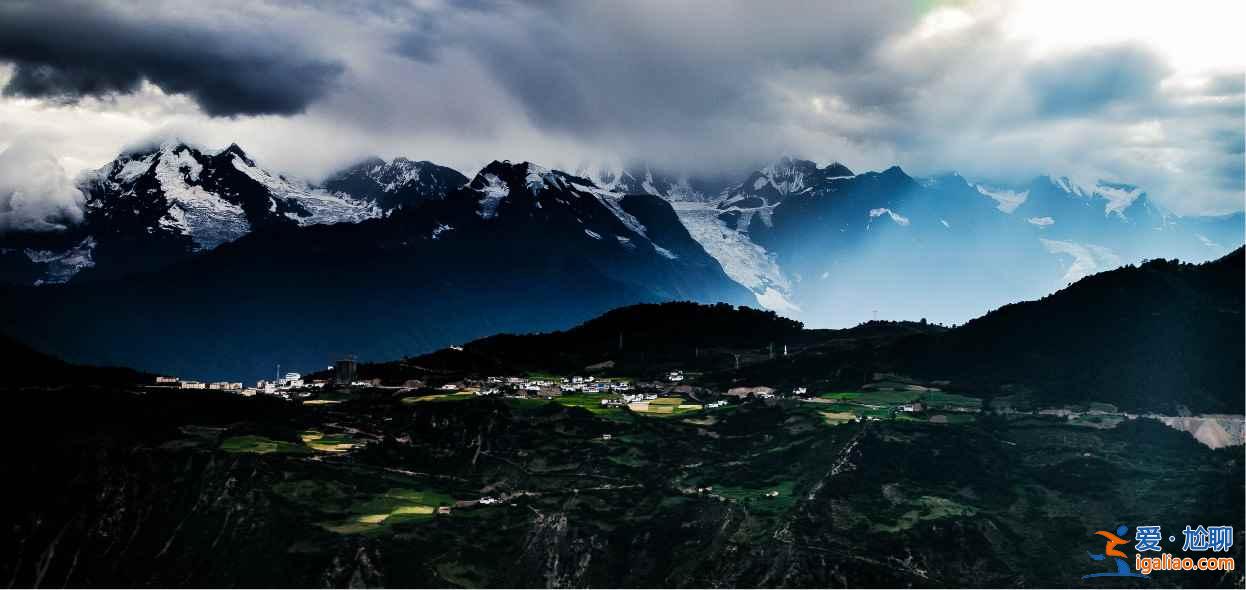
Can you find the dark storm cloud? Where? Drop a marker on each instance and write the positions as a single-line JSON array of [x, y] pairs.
[[1086, 82], [700, 86], [617, 68], [68, 50], [422, 42]]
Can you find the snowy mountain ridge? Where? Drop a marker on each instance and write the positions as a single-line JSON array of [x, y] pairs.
[[155, 204], [205, 196]]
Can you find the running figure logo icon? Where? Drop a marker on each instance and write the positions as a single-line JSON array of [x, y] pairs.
[[1110, 551]]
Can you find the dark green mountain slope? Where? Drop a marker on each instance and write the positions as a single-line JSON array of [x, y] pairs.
[[1151, 337]]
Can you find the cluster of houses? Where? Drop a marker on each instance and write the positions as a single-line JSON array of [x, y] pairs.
[[628, 399], [175, 383], [524, 386], [285, 386], [635, 395]]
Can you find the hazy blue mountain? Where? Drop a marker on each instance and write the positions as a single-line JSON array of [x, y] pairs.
[[947, 248]]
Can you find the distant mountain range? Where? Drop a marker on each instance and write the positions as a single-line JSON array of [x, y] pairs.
[[519, 246]]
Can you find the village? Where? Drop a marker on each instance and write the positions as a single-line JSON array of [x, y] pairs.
[[669, 393]]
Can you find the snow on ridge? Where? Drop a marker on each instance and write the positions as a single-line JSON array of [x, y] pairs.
[[664, 252], [620, 179], [408, 172], [787, 169], [895, 217], [611, 200], [537, 177], [741, 259], [604, 176], [134, 168], [492, 193], [62, 266], [325, 207], [1006, 200], [1067, 185], [208, 219], [1118, 196], [1087, 259]]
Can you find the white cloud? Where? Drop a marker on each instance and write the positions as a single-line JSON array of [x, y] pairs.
[[35, 192]]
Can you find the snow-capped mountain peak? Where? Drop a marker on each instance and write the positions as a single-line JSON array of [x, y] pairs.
[[157, 203], [394, 184], [642, 178], [505, 190], [212, 198]]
